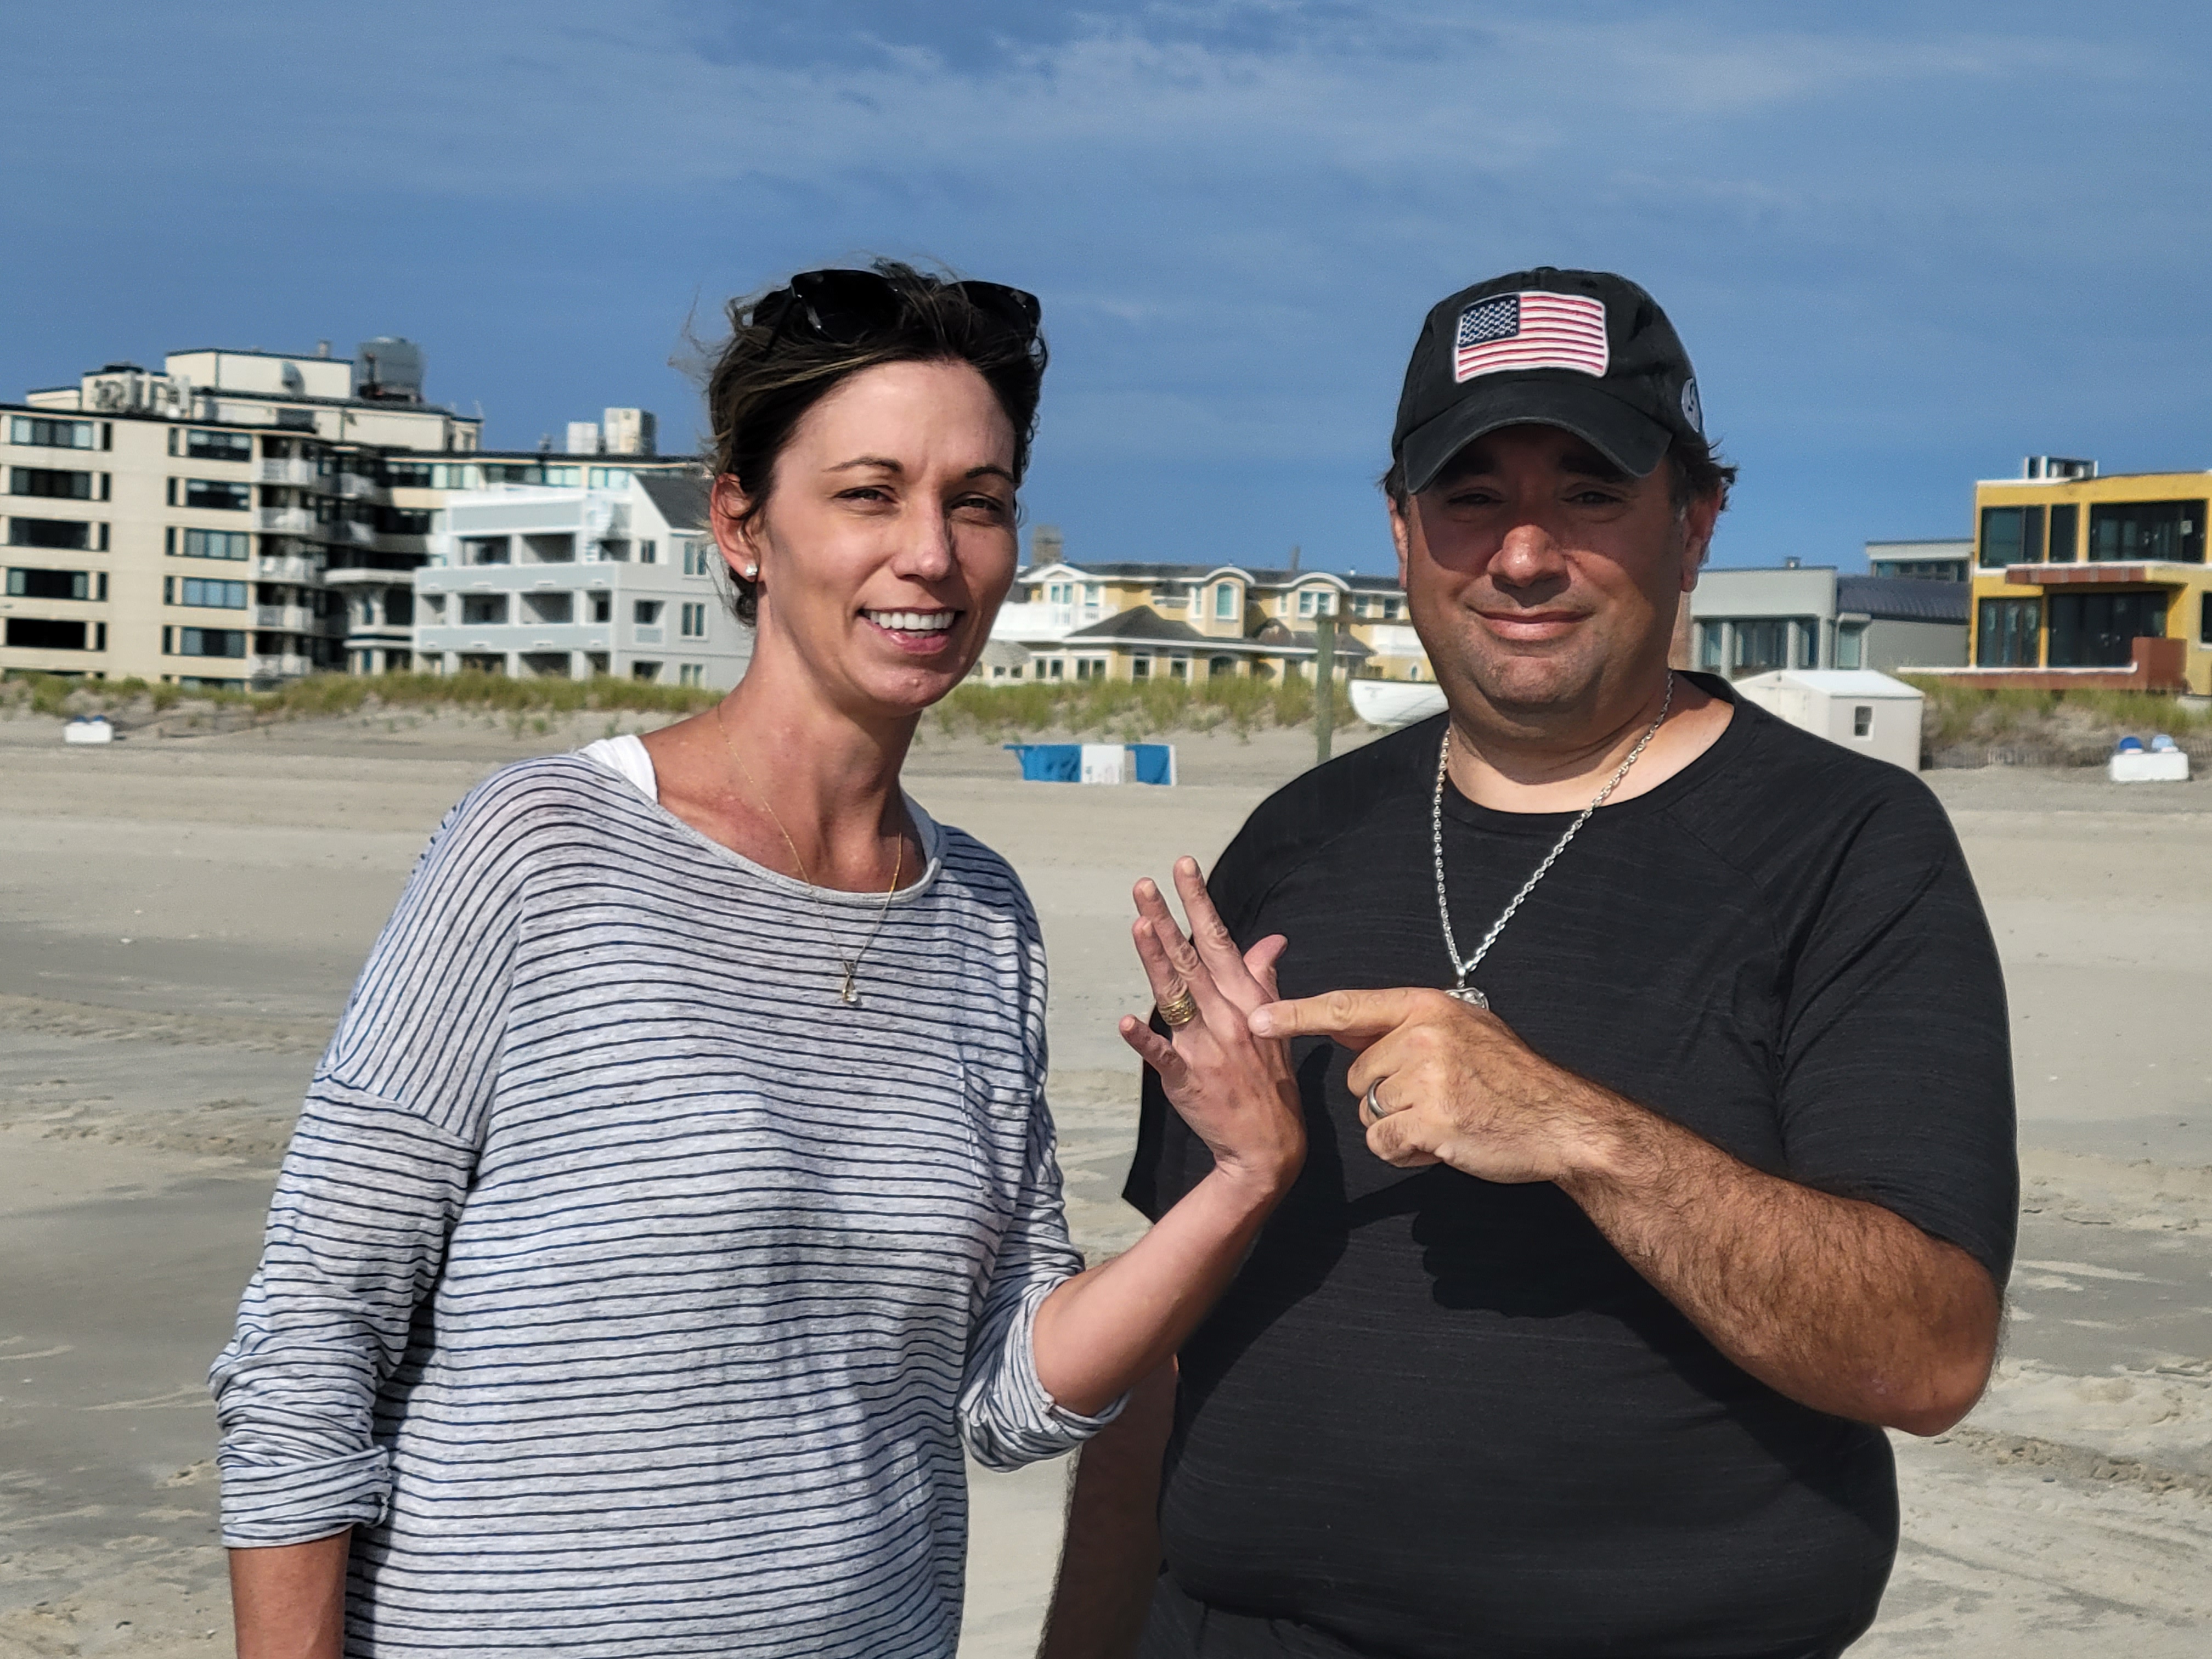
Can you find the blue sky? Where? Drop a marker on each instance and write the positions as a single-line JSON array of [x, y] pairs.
[[1906, 243]]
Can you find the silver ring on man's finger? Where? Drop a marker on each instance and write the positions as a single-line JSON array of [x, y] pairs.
[[1374, 1106]]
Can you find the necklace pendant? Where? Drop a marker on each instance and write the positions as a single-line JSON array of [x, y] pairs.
[[1469, 995], [849, 994]]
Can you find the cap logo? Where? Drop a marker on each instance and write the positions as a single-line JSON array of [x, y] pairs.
[[1692, 411], [1533, 329]]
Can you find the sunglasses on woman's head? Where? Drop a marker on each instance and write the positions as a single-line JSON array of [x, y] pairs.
[[843, 308]]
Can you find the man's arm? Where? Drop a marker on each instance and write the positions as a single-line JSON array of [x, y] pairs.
[[1840, 1304], [1111, 1554], [287, 1601]]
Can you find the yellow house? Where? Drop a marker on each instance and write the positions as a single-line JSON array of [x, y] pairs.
[[2079, 580], [1126, 620]]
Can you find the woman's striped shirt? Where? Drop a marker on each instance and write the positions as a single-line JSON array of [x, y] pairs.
[[628, 1292]]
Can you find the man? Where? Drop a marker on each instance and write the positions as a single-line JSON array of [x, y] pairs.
[[1577, 1334]]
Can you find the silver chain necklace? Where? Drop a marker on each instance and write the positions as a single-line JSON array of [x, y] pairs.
[[1460, 989]]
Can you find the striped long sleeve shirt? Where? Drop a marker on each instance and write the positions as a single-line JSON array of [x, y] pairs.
[[625, 1291]]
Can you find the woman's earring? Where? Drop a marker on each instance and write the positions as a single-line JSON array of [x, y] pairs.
[[752, 573]]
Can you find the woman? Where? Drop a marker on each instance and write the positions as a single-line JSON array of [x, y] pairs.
[[678, 1191]]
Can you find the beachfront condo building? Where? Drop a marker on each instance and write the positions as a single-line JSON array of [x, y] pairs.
[[565, 583], [1746, 621], [237, 519], [1131, 621], [2082, 580]]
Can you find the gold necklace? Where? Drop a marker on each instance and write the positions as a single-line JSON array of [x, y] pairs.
[[849, 991]]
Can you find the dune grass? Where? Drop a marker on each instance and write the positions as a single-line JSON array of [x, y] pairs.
[[2048, 727], [1131, 709], [1112, 708]]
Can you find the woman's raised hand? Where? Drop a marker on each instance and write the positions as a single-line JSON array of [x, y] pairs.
[[1235, 1090]]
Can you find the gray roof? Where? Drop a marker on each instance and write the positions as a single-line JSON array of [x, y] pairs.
[[1902, 599], [1141, 621], [680, 497]]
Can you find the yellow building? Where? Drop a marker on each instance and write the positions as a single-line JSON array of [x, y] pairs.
[[1143, 621], [2081, 581]]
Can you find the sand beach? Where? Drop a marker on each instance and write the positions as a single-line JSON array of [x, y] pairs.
[[180, 916]]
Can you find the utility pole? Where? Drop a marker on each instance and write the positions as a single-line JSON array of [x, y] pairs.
[[1324, 685]]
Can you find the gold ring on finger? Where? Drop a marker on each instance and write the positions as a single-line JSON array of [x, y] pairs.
[[1179, 1010]]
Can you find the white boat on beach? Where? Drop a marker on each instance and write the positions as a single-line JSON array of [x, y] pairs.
[[1396, 702]]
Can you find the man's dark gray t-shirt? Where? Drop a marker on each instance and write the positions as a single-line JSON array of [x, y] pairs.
[[1437, 1416]]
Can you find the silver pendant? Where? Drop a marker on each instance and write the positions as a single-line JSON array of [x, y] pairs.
[[850, 994], [1469, 995]]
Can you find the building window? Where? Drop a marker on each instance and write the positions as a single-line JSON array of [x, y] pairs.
[[1861, 720], [1179, 668], [216, 495], [648, 552], [211, 545], [1224, 602], [460, 475], [31, 584], [1712, 636], [1808, 630], [2099, 630], [51, 483], [2065, 535], [645, 612], [484, 609], [696, 558], [46, 633], [692, 624], [67, 533], [2007, 634], [549, 608], [1762, 644], [1220, 667], [2172, 531], [218, 445], [204, 592], [40, 433], [609, 478], [691, 673], [648, 672], [2204, 618], [408, 475], [403, 520], [1094, 596], [1306, 598], [1140, 668], [486, 549], [2010, 535], [1850, 646], [206, 641], [603, 607]]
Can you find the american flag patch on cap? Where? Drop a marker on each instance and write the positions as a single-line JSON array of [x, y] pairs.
[[1533, 329]]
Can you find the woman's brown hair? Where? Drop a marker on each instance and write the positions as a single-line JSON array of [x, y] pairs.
[[768, 374]]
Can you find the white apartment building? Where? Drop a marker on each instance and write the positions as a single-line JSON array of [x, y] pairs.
[[568, 583], [237, 519], [182, 524]]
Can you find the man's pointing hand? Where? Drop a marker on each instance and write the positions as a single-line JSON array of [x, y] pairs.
[[1452, 1084]]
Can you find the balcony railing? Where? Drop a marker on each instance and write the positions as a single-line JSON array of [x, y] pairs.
[[288, 520], [282, 668], [287, 568], [300, 474], [352, 531], [354, 487], [291, 618]]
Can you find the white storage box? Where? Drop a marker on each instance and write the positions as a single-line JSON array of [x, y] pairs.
[[2149, 766]]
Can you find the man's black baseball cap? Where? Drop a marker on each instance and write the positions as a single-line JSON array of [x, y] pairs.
[[1584, 351]]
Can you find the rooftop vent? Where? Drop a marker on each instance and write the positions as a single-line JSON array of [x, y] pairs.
[[2057, 468]]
